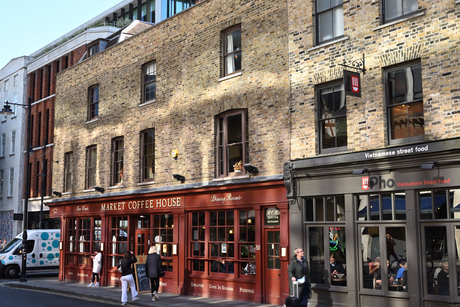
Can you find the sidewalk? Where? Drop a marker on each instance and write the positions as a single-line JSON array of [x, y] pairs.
[[113, 294]]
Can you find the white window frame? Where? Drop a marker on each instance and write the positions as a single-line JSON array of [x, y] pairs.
[[11, 182], [2, 178], [3, 145], [13, 142]]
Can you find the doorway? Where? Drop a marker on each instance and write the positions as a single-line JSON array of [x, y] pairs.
[[272, 269], [142, 241]]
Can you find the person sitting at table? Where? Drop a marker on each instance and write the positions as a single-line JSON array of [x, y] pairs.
[[336, 268], [375, 270]]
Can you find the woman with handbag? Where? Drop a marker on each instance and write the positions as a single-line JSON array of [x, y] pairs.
[[153, 271]]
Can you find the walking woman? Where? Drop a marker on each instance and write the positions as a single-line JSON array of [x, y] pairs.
[[298, 271], [127, 277], [152, 270]]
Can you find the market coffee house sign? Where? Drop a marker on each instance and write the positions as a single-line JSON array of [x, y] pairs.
[[160, 203]]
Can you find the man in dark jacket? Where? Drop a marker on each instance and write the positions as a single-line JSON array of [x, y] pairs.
[[299, 271], [152, 270]]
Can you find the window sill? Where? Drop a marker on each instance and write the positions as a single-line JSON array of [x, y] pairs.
[[114, 187], [231, 178], [89, 190], [389, 24], [92, 120], [329, 43], [146, 183], [147, 103], [230, 76], [4, 121], [12, 154]]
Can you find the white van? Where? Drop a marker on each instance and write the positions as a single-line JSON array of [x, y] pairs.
[[42, 252]]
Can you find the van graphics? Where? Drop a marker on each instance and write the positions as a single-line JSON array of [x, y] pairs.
[[48, 248]]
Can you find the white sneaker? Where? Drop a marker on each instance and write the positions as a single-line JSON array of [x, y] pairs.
[[123, 303], [156, 295], [154, 298], [96, 285], [135, 298], [90, 284]]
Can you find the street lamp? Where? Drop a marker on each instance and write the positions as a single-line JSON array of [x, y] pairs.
[[7, 111]]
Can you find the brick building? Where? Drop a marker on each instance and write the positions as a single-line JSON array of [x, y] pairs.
[[177, 137], [375, 178]]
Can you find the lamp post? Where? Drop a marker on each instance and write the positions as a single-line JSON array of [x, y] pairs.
[[7, 111]]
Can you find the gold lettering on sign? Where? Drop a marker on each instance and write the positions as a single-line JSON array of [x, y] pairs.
[[225, 198], [141, 204]]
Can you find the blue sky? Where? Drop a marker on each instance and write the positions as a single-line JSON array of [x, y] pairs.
[[28, 25]]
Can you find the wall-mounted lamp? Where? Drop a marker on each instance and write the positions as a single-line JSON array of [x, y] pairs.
[[179, 177], [6, 109], [251, 168], [58, 194], [99, 189], [361, 171], [429, 165]]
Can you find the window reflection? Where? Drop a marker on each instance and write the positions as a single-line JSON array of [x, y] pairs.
[[337, 257], [372, 275], [316, 254], [437, 267], [396, 254]]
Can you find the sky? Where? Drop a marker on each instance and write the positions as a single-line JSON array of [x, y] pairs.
[[28, 25]]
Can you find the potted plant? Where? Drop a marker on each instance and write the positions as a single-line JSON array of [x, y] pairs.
[[238, 166]]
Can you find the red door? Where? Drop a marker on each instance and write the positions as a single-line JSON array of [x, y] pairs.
[[142, 241], [272, 266]]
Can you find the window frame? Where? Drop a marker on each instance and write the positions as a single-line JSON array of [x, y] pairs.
[[91, 166], [144, 156], [226, 54], [2, 179], [68, 175], [317, 21], [402, 16], [327, 86], [223, 168], [79, 250], [93, 102], [11, 182], [146, 83], [389, 107], [3, 145], [117, 155]]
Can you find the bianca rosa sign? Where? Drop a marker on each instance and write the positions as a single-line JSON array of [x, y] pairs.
[[225, 198]]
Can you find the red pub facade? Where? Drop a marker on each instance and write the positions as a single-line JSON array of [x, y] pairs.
[[226, 242]]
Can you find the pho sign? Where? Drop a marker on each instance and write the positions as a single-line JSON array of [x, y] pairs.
[[352, 83]]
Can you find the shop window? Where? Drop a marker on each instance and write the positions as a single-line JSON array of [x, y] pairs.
[[91, 160], [329, 20], [247, 242], [198, 240], [439, 204], [331, 208], [118, 239], [381, 273], [117, 160], [332, 117], [381, 207], [221, 232], [437, 260], [221, 241], [232, 143], [163, 230], [395, 9], [84, 237], [232, 50], [404, 94], [149, 82], [148, 155], [68, 175], [93, 102]]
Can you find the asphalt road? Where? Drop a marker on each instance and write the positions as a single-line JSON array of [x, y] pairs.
[[13, 297]]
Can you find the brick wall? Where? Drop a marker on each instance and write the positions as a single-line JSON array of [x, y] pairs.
[[187, 51], [430, 36]]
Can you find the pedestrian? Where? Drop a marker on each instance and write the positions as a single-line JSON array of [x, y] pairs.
[[298, 271], [97, 265], [3, 244], [127, 277], [152, 270]]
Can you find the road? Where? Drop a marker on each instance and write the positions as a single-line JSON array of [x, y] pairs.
[[13, 297]]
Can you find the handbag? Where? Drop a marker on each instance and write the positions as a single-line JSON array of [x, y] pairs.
[[119, 266], [161, 273]]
